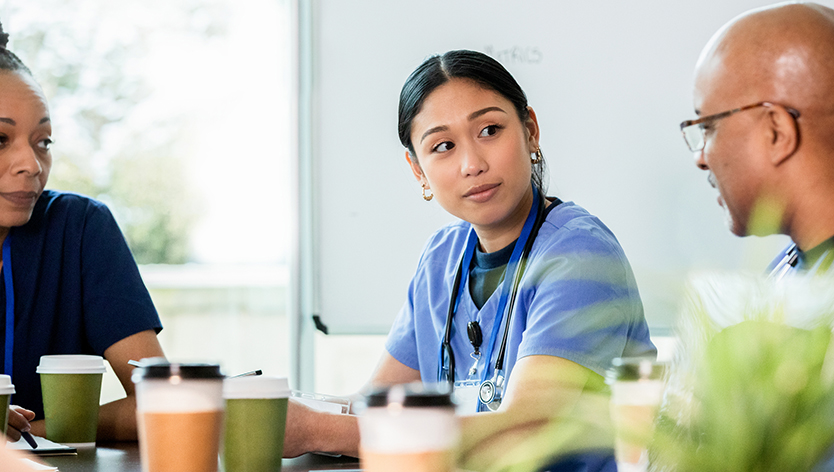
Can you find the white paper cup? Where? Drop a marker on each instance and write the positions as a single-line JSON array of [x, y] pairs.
[[408, 428], [179, 409], [637, 388]]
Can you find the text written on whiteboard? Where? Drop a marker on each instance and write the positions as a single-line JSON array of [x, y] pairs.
[[515, 54]]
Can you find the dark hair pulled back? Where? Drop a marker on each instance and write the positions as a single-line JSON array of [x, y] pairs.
[[459, 64], [8, 60]]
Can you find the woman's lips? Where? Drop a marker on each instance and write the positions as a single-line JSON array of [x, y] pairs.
[[22, 199], [481, 193]]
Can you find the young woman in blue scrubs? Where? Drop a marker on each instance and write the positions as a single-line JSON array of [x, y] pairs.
[[69, 284], [472, 143]]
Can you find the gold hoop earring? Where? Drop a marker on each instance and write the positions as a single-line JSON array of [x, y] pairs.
[[538, 158], [429, 196]]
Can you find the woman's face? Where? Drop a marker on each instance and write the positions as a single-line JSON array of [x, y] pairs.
[[473, 152], [25, 138]]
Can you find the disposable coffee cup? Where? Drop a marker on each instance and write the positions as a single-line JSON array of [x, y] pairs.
[[256, 414], [71, 389], [6, 391], [179, 412], [637, 386], [408, 428]]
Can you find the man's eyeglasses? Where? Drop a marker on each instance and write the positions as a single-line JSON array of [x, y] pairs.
[[694, 133]]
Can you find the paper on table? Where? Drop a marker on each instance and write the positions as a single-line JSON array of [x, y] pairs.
[[45, 447], [325, 403]]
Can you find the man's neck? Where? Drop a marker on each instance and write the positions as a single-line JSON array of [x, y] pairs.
[[812, 224]]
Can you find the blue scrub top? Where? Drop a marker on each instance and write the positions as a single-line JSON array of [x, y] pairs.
[[578, 300]]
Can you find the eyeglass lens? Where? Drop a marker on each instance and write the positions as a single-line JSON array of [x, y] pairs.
[[694, 137]]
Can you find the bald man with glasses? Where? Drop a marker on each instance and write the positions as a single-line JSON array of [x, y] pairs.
[[764, 94]]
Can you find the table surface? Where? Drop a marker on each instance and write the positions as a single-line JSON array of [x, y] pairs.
[[124, 457]]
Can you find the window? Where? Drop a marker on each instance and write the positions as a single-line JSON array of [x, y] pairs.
[[176, 113]]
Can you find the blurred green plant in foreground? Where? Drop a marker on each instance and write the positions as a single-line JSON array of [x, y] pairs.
[[752, 387]]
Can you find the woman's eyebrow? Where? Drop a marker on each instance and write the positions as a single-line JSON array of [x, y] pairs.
[[484, 111], [12, 122], [436, 129]]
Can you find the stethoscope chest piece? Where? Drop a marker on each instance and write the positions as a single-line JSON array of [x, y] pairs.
[[490, 393]]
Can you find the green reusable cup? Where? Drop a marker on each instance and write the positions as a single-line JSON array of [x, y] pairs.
[[256, 413], [6, 391], [71, 388]]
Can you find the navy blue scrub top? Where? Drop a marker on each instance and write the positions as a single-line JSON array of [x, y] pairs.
[[77, 288]]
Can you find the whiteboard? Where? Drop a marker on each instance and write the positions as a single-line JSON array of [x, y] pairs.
[[609, 80]]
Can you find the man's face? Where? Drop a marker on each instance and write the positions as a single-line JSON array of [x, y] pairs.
[[730, 155]]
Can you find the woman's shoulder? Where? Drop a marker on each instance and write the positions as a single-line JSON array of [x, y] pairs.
[[57, 200], [54, 205], [569, 222], [573, 239]]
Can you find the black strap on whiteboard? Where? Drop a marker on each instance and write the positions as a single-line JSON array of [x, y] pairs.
[[319, 325]]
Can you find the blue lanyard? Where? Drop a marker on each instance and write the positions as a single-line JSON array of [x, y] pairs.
[[7, 277], [506, 285]]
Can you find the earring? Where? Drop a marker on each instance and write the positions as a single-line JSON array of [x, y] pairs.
[[538, 157], [429, 196]]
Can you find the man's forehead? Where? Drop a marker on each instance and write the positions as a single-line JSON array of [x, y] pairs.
[[714, 84]]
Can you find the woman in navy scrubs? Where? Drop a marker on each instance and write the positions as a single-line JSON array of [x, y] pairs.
[[521, 346], [70, 284]]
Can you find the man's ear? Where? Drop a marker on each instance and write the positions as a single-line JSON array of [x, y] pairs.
[[783, 134], [415, 167]]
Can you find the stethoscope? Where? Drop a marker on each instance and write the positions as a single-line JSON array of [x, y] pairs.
[[785, 265], [490, 392], [7, 278]]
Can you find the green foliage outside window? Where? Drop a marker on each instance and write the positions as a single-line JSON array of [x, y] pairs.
[[90, 57]]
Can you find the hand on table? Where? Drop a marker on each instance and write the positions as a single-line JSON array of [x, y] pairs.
[[19, 419]]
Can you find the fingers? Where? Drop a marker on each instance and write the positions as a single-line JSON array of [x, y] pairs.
[[28, 414], [19, 419]]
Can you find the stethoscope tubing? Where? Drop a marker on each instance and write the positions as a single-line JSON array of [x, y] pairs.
[[517, 276]]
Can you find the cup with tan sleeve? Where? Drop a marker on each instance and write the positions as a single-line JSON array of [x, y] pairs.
[[256, 414], [179, 411], [637, 386], [71, 390], [408, 428], [6, 391]]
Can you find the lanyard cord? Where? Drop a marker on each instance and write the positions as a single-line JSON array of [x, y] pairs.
[[7, 278]]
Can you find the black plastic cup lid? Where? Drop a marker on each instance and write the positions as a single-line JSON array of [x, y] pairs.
[[636, 368], [167, 370], [411, 395]]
